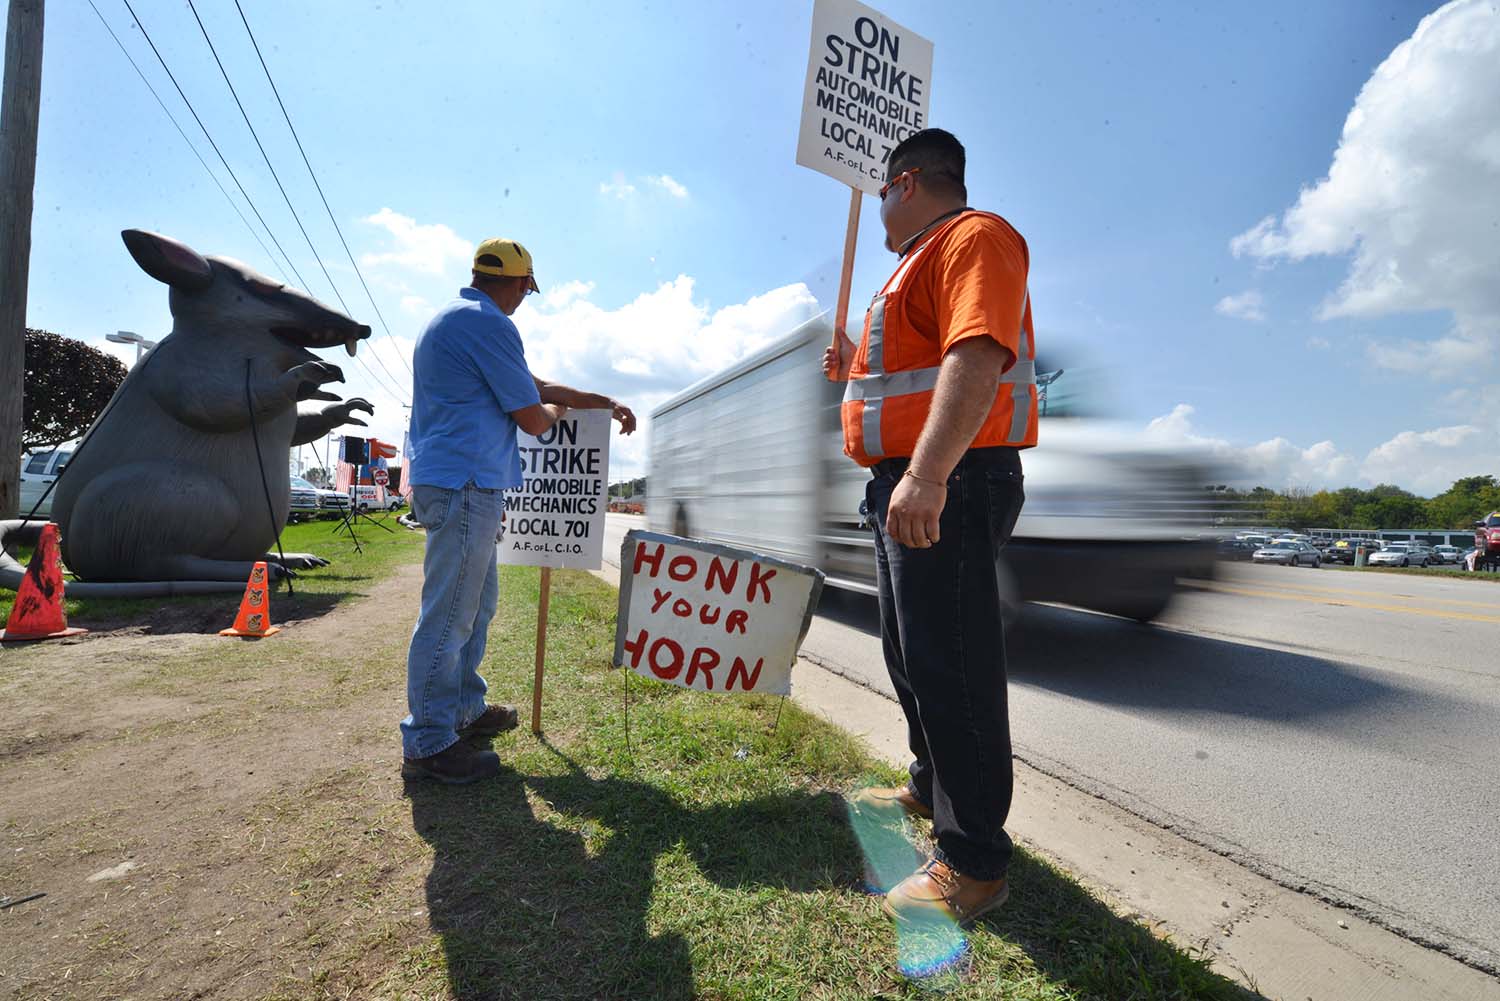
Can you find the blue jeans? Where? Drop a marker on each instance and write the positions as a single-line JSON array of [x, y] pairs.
[[444, 691], [944, 647]]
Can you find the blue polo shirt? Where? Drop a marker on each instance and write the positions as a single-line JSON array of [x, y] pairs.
[[469, 375]]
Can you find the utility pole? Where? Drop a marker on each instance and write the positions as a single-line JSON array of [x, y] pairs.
[[18, 118]]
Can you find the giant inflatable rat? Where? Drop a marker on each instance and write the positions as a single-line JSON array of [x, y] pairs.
[[167, 486]]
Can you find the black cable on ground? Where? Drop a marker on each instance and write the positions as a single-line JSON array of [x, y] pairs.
[[264, 485]]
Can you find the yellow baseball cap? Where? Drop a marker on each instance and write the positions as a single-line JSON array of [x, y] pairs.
[[504, 259]]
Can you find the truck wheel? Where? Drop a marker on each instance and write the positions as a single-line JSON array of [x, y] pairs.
[[1147, 602], [1317, 562]]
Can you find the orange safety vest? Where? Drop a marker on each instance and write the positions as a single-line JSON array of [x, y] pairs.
[[885, 407]]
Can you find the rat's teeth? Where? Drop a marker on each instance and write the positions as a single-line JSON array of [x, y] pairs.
[[350, 344]]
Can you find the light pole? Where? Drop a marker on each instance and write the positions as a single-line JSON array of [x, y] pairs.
[[126, 337]]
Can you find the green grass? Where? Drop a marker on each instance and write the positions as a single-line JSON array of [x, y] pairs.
[[1419, 572], [714, 858], [711, 857], [348, 575]]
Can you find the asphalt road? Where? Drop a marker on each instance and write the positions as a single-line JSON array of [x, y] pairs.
[[1336, 731]]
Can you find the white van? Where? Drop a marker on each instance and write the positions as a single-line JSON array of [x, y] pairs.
[[38, 472]]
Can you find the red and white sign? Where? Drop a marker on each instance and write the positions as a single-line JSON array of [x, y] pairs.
[[380, 476], [710, 617]]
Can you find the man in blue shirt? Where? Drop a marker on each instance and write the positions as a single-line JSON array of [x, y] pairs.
[[471, 390]]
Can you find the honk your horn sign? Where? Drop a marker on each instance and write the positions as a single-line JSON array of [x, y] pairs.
[[709, 617]]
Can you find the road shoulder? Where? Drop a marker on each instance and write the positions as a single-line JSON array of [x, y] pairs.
[[1279, 942]]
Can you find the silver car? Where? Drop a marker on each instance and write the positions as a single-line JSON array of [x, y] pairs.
[[1402, 554], [1288, 554]]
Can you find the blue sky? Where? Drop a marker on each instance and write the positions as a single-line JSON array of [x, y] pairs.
[[645, 155]]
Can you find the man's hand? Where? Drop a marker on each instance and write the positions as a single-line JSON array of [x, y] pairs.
[[623, 414], [838, 358], [916, 506]]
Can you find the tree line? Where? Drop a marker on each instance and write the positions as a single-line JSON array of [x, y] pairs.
[[1382, 507]]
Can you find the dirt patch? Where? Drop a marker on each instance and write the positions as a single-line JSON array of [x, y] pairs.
[[163, 745]]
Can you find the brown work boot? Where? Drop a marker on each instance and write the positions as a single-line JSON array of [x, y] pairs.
[[456, 764], [937, 889], [889, 800], [493, 721]]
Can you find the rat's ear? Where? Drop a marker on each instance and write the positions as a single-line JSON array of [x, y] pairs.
[[166, 260]]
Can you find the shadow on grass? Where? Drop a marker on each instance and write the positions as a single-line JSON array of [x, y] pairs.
[[527, 908], [559, 901]]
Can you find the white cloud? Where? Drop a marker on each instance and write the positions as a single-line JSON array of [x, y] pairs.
[[668, 184], [1424, 462], [641, 352], [651, 347], [424, 248], [415, 305], [1275, 462], [557, 298], [622, 189], [617, 187], [1320, 343], [1245, 306], [1427, 462], [1411, 193]]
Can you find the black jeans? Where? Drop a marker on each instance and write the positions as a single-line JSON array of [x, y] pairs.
[[945, 649]]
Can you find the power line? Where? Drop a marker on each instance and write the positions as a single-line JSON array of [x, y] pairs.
[[331, 217], [250, 201], [145, 34], [172, 118], [285, 197]]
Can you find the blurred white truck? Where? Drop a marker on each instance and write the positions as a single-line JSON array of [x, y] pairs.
[[753, 457]]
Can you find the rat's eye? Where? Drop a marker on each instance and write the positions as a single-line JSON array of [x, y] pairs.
[[262, 287]]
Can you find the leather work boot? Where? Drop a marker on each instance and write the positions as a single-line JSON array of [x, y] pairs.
[[456, 764], [939, 890], [889, 800], [493, 721]]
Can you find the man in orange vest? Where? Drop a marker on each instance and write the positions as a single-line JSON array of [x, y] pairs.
[[940, 399]]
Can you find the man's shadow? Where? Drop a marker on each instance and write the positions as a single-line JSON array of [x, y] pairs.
[[527, 907]]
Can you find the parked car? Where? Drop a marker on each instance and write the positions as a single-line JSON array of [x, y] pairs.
[[1288, 554], [333, 502], [1235, 549], [1447, 554], [1343, 550], [38, 472], [1402, 554], [304, 499]]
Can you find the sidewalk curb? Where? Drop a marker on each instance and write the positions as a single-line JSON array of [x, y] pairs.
[[1284, 944]]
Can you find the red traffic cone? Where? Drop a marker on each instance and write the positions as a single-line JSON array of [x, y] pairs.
[[254, 619], [38, 612]]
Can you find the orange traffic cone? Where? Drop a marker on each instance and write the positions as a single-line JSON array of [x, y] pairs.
[[38, 612], [254, 619]]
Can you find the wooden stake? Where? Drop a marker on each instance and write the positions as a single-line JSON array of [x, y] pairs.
[[18, 116], [846, 278], [541, 651]]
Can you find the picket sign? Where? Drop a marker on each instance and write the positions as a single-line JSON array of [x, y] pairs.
[[556, 517], [868, 87], [711, 617]]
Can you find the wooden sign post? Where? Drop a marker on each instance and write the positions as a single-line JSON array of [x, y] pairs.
[[846, 277], [541, 650]]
